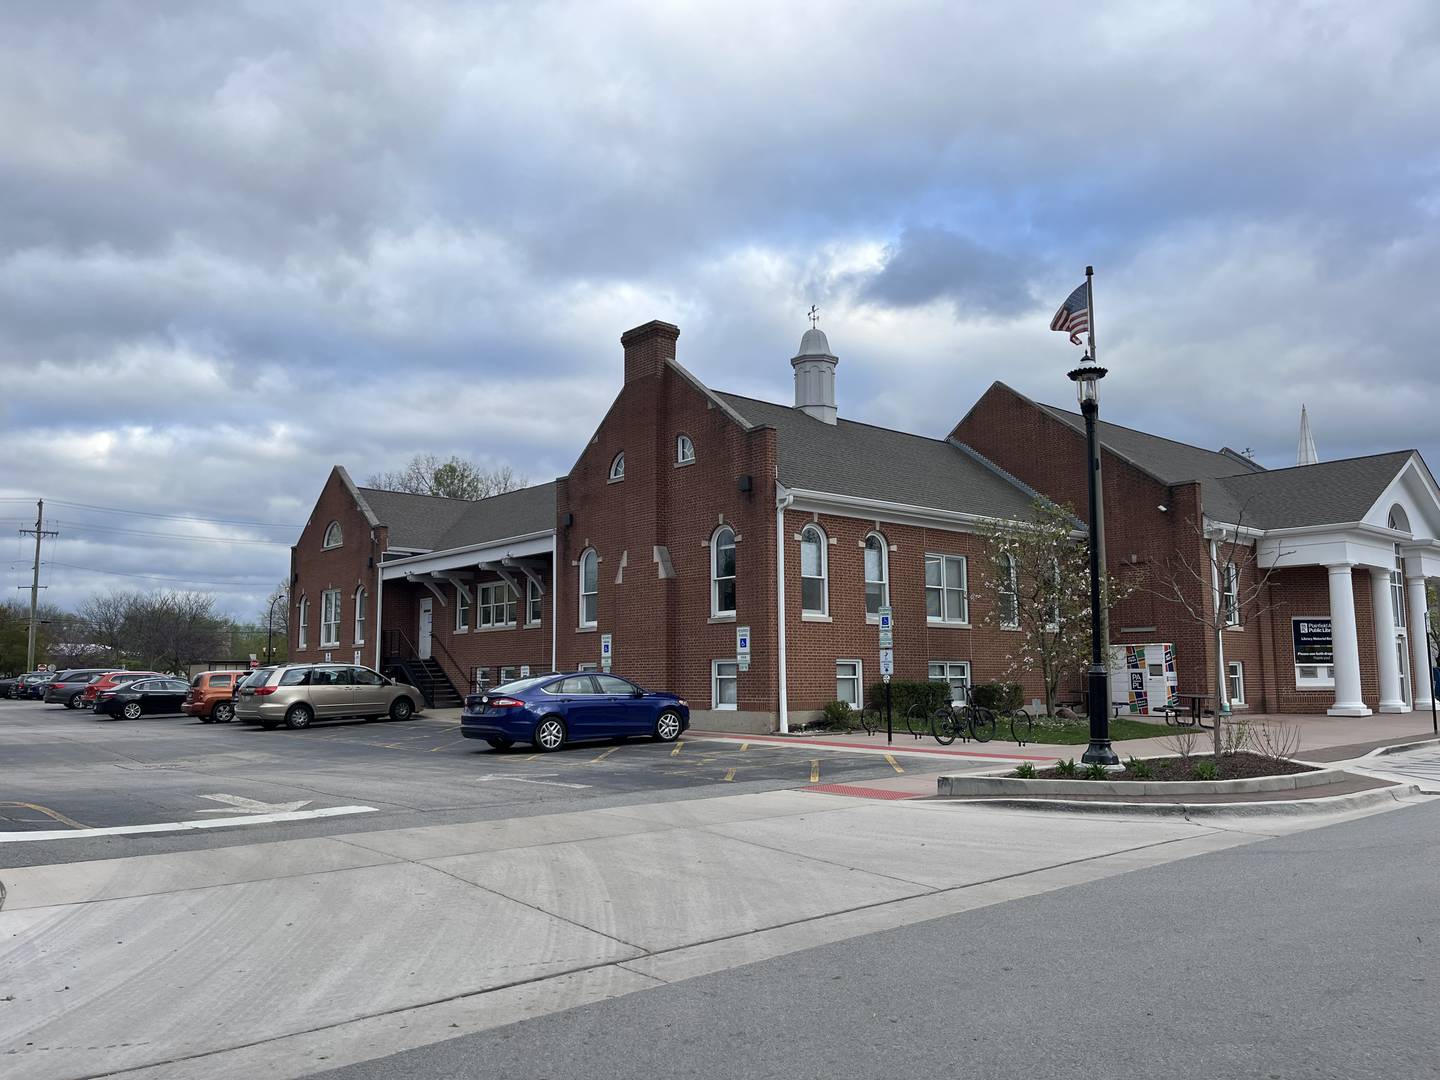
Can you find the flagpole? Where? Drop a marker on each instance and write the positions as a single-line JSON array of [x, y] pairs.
[[1090, 307]]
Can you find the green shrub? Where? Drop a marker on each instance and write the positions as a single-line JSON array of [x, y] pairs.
[[1024, 772], [1096, 771], [998, 696], [1067, 768], [1206, 770], [905, 693], [837, 716], [1138, 769]]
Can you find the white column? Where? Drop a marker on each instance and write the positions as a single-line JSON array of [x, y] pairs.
[[1419, 650], [1346, 645], [1392, 696]]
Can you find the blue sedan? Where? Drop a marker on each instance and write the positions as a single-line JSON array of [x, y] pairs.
[[552, 710]]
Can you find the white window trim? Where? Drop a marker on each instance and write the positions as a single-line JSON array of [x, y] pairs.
[[326, 544], [1397, 590], [715, 686], [581, 621], [945, 587], [462, 611], [824, 609], [1230, 595], [302, 640], [534, 602], [681, 442], [884, 581], [327, 608], [948, 664], [859, 682], [1013, 580], [496, 594], [361, 597], [1234, 668], [617, 468], [716, 611]]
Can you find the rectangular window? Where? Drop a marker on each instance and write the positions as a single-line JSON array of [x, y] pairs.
[[1230, 599], [496, 603], [848, 683], [462, 611], [724, 684], [945, 595], [956, 673], [303, 639], [360, 597], [1397, 589], [532, 602], [1235, 682], [329, 618]]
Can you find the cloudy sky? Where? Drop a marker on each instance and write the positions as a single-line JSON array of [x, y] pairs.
[[242, 242]]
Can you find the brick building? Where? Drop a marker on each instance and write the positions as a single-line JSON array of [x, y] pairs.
[[691, 514]]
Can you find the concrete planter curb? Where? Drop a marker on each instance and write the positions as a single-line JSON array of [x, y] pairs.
[[993, 784], [1421, 744], [1329, 804]]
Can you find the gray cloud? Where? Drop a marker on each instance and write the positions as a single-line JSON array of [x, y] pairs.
[[928, 263]]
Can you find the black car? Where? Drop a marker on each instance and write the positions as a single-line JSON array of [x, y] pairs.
[[141, 697], [68, 688], [7, 686], [32, 687]]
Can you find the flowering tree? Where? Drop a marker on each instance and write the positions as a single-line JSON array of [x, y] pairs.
[[1038, 575]]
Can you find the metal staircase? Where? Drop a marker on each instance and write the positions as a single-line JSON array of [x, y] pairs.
[[427, 675]]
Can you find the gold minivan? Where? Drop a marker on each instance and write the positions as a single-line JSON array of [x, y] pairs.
[[296, 695]]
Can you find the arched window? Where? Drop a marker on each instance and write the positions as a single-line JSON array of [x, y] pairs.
[[1009, 599], [684, 450], [302, 640], [617, 467], [360, 597], [333, 536], [722, 572], [812, 571], [877, 574], [589, 588]]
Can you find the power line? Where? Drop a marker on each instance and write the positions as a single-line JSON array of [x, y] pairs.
[[83, 527], [152, 577], [156, 514]]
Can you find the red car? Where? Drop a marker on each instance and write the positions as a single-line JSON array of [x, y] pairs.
[[109, 681]]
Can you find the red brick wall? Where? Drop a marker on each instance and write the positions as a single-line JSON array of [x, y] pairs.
[[314, 570], [1305, 590]]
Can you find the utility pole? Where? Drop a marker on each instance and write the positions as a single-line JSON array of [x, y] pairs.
[[39, 531]]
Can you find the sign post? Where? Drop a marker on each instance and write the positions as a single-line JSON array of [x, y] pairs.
[[887, 663], [742, 648], [605, 652]]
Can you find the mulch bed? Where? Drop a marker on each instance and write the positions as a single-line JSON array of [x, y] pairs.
[[1240, 766]]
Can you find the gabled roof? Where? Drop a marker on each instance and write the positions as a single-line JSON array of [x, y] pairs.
[[435, 523], [863, 461], [1328, 492]]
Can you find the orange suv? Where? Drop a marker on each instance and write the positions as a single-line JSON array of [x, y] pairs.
[[109, 681], [210, 696]]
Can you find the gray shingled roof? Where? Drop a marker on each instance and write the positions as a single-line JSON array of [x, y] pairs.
[[849, 458], [1325, 493], [434, 523]]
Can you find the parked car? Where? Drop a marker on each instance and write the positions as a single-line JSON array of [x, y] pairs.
[[550, 710], [109, 680], [298, 694], [32, 687], [135, 698], [211, 696], [7, 685], [68, 688]]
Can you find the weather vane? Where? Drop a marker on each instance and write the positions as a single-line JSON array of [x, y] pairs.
[[814, 316]]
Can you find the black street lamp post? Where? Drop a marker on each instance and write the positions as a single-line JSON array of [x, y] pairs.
[[270, 629], [1087, 379]]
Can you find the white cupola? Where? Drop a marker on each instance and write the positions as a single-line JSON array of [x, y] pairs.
[[814, 368]]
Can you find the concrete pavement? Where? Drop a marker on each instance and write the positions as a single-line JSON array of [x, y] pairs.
[[282, 959]]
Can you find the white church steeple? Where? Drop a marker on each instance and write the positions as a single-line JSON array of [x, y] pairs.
[[1305, 453], [814, 368]]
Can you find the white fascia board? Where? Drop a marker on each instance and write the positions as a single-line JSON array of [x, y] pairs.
[[1223, 530], [540, 543], [900, 513]]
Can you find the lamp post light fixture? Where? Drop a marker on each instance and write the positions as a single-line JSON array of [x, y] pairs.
[[270, 627], [1087, 389]]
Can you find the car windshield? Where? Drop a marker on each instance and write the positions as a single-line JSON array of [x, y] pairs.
[[518, 686]]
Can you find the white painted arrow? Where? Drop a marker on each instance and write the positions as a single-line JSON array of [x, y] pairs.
[[240, 805], [529, 780]]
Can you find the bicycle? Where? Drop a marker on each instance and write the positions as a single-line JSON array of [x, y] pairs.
[[967, 720]]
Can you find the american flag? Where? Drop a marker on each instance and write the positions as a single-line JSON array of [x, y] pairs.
[[1074, 314]]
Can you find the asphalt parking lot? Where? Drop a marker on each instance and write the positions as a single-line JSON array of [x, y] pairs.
[[67, 771]]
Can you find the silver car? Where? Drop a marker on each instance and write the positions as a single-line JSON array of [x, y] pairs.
[[296, 695]]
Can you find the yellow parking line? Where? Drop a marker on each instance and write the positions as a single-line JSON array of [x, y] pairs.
[[815, 770], [729, 775], [893, 763], [744, 746], [603, 756], [443, 746], [678, 747], [532, 757], [53, 814]]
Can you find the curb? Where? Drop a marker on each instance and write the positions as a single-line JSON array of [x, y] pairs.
[[1325, 805], [973, 784], [1400, 748]]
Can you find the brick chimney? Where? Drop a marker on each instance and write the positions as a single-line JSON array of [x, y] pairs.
[[647, 348]]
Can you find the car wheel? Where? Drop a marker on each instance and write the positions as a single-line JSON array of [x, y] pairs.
[[132, 710], [298, 717], [269, 725], [223, 713], [74, 700], [667, 726], [402, 708], [550, 734], [501, 743]]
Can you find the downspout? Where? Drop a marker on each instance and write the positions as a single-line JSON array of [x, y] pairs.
[[1221, 689], [379, 611], [554, 603], [782, 503]]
